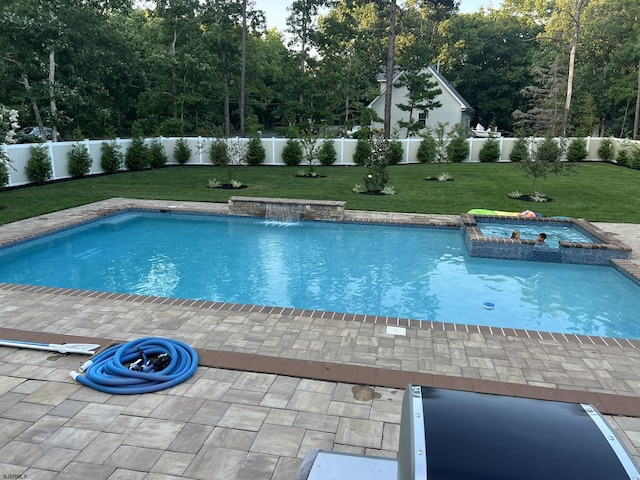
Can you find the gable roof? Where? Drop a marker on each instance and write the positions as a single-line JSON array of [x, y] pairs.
[[444, 83]]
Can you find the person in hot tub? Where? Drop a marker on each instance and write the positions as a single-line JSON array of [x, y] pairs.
[[541, 239]]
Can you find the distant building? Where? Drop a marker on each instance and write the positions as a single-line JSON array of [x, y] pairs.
[[454, 109]]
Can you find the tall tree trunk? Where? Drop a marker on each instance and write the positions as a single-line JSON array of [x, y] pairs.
[[225, 80], [52, 97], [34, 102], [243, 73], [172, 54], [580, 4], [389, 73], [636, 120]]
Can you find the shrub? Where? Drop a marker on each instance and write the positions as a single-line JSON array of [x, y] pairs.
[[137, 156], [112, 159], [427, 150], [605, 150], [4, 174], [520, 151], [292, 152], [634, 159], [157, 155], [79, 160], [363, 151], [548, 151], [327, 154], [219, 152], [255, 152], [395, 152], [182, 151], [458, 148], [577, 150], [623, 156], [377, 175], [490, 151], [38, 166]]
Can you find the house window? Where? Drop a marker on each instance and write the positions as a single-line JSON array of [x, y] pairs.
[[422, 118]]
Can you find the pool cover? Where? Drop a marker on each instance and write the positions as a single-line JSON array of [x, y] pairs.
[[481, 436]]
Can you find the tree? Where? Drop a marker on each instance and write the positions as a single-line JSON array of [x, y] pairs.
[[546, 160], [422, 91], [545, 115], [389, 71], [488, 57]]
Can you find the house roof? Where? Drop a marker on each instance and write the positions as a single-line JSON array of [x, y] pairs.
[[464, 105]]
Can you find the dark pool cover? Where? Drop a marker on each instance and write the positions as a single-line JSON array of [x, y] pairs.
[[481, 437]]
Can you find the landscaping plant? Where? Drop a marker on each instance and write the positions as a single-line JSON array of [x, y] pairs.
[[38, 166], [157, 155], [255, 152], [182, 151], [112, 158], [79, 160]]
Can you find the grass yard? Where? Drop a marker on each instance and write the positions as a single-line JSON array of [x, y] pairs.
[[597, 191]]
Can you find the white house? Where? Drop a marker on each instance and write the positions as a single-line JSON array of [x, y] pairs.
[[454, 109]]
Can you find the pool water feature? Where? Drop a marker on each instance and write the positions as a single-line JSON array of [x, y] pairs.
[[395, 271]]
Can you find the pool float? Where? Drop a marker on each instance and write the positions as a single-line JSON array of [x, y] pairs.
[[507, 214], [527, 214], [481, 211]]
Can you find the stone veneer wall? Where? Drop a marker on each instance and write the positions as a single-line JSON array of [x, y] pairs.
[[309, 209]]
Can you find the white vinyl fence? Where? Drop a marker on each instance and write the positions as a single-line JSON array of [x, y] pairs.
[[345, 148]]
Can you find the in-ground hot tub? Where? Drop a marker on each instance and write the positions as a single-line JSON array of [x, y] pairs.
[[569, 240]]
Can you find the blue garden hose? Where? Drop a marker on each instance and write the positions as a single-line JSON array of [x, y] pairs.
[[109, 371]]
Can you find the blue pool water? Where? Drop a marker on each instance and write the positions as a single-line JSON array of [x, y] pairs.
[[409, 272], [530, 231]]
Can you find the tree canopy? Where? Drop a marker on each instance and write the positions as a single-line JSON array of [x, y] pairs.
[[100, 68]]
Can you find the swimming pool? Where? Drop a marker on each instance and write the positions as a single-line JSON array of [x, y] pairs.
[[410, 272]]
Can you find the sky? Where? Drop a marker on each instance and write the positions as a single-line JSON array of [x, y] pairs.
[[276, 10]]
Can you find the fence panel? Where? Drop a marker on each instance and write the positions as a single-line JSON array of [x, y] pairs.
[[345, 149]]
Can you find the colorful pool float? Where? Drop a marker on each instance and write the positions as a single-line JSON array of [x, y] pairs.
[[525, 214]]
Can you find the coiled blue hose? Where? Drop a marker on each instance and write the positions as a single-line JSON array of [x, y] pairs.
[[108, 371]]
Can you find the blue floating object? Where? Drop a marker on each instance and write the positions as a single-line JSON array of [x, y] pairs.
[[489, 305]]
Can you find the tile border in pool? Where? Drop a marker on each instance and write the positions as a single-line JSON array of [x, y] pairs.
[[602, 253], [23, 230]]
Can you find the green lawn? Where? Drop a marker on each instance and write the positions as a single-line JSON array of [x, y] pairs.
[[597, 191]]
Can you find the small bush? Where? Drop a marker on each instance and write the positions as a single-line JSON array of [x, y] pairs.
[[79, 160], [112, 159], [182, 151], [255, 152], [327, 154], [292, 153], [4, 174], [634, 158], [520, 151], [395, 152], [363, 151], [605, 150], [490, 151], [38, 166], [623, 156], [137, 157], [157, 154], [458, 149], [577, 150], [548, 151], [219, 152], [427, 150]]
